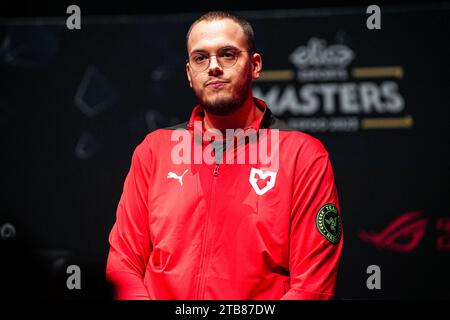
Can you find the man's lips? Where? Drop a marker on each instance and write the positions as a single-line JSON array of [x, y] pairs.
[[216, 83]]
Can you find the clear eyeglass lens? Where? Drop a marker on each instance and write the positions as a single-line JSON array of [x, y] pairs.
[[200, 62]]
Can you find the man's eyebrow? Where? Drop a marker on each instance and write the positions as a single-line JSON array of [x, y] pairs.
[[229, 47], [221, 48], [199, 51]]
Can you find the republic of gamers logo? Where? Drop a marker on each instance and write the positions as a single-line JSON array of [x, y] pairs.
[[403, 234]]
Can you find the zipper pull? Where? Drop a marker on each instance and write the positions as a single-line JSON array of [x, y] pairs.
[[216, 170]]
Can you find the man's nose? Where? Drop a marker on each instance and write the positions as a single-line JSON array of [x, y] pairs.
[[214, 66]]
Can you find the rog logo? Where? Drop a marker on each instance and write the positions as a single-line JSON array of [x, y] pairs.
[[403, 234]]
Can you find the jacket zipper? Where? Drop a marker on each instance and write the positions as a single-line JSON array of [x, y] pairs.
[[203, 258], [216, 170]]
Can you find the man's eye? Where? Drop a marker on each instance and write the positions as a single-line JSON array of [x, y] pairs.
[[200, 58], [229, 55]]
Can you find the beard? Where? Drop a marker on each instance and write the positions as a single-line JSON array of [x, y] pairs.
[[224, 104]]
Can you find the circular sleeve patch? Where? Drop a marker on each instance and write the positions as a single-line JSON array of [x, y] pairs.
[[328, 223]]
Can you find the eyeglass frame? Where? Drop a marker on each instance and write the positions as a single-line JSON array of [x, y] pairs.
[[238, 52]]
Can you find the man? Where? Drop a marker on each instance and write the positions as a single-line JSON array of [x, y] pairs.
[[192, 227]]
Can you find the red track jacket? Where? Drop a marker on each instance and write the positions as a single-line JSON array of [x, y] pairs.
[[227, 231]]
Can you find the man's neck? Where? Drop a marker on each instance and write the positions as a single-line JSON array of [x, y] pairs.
[[241, 118]]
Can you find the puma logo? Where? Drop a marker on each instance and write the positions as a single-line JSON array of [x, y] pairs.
[[175, 176]]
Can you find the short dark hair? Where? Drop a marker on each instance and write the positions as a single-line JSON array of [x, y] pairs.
[[219, 15]]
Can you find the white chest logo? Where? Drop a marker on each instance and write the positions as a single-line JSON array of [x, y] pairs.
[[262, 175], [175, 176]]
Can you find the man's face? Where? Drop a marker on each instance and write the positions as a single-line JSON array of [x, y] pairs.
[[221, 91]]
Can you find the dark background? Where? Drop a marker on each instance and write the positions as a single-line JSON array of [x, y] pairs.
[[64, 166], [48, 8]]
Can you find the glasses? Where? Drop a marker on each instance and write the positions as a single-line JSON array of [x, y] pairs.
[[226, 58]]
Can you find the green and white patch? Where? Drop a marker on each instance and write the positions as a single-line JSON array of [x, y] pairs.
[[328, 223]]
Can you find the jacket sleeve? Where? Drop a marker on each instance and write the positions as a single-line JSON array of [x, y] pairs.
[[314, 255], [129, 239]]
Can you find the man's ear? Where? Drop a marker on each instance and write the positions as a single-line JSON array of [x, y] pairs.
[[188, 73], [256, 65]]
